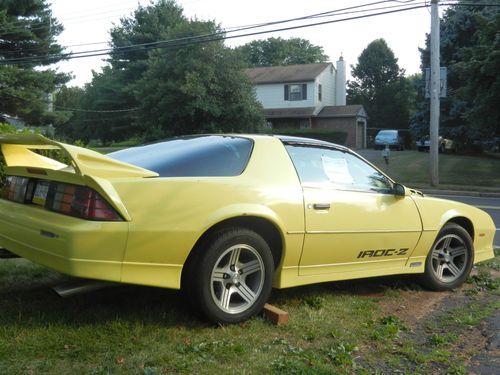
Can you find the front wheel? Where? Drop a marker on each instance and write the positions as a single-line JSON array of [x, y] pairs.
[[450, 260], [233, 277]]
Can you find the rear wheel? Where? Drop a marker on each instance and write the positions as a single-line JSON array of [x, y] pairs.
[[450, 260], [232, 279]]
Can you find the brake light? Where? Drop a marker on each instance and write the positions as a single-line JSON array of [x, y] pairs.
[[80, 201], [15, 188], [67, 199]]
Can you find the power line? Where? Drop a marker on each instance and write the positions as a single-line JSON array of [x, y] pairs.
[[317, 15], [79, 16], [288, 20], [69, 109], [222, 35], [218, 36]]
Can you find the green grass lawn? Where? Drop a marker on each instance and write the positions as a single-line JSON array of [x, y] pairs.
[[459, 171], [334, 328]]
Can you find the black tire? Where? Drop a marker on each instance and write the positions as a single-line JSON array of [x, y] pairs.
[[232, 278], [420, 149], [450, 259]]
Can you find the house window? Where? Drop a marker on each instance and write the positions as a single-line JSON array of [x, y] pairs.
[[305, 124], [320, 96], [296, 92]]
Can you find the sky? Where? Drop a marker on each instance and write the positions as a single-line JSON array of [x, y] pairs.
[[90, 21]]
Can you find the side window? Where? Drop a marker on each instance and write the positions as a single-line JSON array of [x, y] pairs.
[[336, 169]]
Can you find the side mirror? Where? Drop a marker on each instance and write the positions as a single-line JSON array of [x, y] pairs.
[[399, 190]]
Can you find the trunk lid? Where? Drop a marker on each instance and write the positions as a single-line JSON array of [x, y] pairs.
[[84, 166]]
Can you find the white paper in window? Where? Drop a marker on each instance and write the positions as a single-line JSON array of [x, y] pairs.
[[337, 170]]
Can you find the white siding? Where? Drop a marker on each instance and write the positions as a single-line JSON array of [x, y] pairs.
[[273, 96], [327, 81]]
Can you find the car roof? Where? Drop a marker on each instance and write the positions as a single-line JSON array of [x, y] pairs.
[[283, 138], [307, 141]]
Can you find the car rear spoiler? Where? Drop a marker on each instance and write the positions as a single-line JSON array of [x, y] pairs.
[[17, 152]]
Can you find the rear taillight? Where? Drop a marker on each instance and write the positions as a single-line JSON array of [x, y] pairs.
[[80, 201], [14, 188], [68, 199]]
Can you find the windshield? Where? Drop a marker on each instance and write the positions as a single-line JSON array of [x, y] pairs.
[[387, 133]]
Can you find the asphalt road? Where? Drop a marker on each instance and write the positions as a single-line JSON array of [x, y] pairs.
[[490, 205]]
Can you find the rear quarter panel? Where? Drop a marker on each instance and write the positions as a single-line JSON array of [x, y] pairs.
[[168, 215]]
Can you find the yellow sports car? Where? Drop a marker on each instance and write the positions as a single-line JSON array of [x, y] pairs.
[[227, 217]]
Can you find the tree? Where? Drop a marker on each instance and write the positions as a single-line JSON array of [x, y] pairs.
[[380, 86], [278, 51], [469, 50], [102, 110], [27, 32], [197, 88], [182, 88]]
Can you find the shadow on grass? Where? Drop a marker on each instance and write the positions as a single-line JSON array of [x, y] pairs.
[[369, 287], [32, 302]]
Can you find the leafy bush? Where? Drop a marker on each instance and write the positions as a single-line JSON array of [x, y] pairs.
[[321, 134], [6, 128], [127, 143]]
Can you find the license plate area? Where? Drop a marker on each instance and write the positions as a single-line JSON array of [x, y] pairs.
[[40, 193]]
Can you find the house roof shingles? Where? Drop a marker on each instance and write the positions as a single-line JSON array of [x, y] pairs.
[[304, 112], [288, 73], [342, 111]]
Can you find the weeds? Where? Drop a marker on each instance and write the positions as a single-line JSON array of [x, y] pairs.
[[484, 281], [151, 331], [386, 328], [314, 302], [437, 339], [341, 355]]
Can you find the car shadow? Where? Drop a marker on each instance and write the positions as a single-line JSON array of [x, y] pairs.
[[369, 287], [33, 302]]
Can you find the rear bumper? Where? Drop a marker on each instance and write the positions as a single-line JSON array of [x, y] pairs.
[[76, 247]]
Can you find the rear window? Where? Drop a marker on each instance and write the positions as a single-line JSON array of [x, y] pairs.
[[210, 155]]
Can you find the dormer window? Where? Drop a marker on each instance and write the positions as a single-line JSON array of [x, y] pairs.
[[296, 92]]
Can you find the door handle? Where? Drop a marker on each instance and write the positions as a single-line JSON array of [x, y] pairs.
[[321, 206]]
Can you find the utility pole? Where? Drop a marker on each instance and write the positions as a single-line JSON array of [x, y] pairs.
[[435, 93]]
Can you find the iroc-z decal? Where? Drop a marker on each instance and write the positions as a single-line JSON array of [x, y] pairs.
[[382, 253]]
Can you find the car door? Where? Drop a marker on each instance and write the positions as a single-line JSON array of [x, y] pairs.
[[354, 221]]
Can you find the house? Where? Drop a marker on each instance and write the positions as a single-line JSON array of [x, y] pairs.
[[14, 121], [309, 96]]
